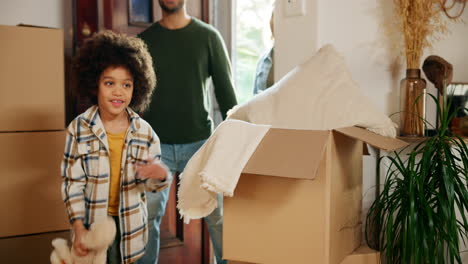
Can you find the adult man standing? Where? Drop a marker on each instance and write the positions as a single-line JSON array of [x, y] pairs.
[[186, 53]]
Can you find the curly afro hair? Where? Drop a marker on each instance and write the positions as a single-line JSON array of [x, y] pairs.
[[108, 49]]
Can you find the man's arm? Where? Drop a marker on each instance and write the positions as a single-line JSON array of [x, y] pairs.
[[220, 71]]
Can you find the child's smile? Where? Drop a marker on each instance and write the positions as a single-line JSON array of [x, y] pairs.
[[115, 92], [117, 103]]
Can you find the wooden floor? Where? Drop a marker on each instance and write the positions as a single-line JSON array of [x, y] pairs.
[[29, 249], [37, 248]]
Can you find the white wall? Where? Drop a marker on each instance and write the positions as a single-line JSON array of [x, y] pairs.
[[454, 48], [47, 13], [356, 29], [295, 37]]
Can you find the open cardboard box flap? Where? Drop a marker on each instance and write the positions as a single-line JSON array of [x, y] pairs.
[[373, 139], [303, 150]]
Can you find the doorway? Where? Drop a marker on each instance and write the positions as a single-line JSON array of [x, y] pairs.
[[252, 40]]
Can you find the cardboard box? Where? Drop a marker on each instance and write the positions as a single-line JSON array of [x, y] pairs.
[[32, 74], [299, 197], [363, 255], [30, 195]]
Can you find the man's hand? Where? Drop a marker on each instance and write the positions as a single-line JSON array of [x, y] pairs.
[[79, 231]]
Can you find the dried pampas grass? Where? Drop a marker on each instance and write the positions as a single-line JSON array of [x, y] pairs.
[[421, 21]]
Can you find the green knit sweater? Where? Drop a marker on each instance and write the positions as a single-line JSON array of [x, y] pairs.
[[184, 60]]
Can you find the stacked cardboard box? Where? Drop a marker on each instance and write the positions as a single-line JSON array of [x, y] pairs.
[[32, 135], [31, 70], [30, 189], [299, 197]]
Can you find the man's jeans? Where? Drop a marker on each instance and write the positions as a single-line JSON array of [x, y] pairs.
[[176, 156]]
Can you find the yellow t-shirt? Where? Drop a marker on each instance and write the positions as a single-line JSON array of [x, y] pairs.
[[116, 144]]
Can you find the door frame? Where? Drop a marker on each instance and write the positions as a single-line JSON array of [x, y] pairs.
[[109, 21]]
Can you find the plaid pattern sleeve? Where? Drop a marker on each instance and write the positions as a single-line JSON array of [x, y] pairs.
[[74, 178], [155, 153]]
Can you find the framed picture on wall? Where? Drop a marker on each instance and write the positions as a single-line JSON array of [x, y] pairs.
[[140, 12], [457, 93]]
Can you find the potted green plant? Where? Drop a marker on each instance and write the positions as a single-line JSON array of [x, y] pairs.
[[416, 212]]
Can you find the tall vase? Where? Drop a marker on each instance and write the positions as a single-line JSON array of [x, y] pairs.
[[412, 104]]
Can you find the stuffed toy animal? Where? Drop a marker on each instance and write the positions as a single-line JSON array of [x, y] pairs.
[[99, 237]]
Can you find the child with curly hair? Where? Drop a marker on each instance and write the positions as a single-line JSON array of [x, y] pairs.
[[112, 156]]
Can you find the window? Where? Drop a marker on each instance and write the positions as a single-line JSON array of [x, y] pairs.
[[253, 39]]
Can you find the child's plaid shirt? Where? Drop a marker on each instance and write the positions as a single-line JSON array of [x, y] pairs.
[[86, 176]]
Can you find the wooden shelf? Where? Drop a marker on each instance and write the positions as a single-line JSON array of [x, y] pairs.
[[415, 140], [412, 140]]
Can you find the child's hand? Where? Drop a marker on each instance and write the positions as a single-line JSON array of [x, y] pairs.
[[80, 231], [154, 169]]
